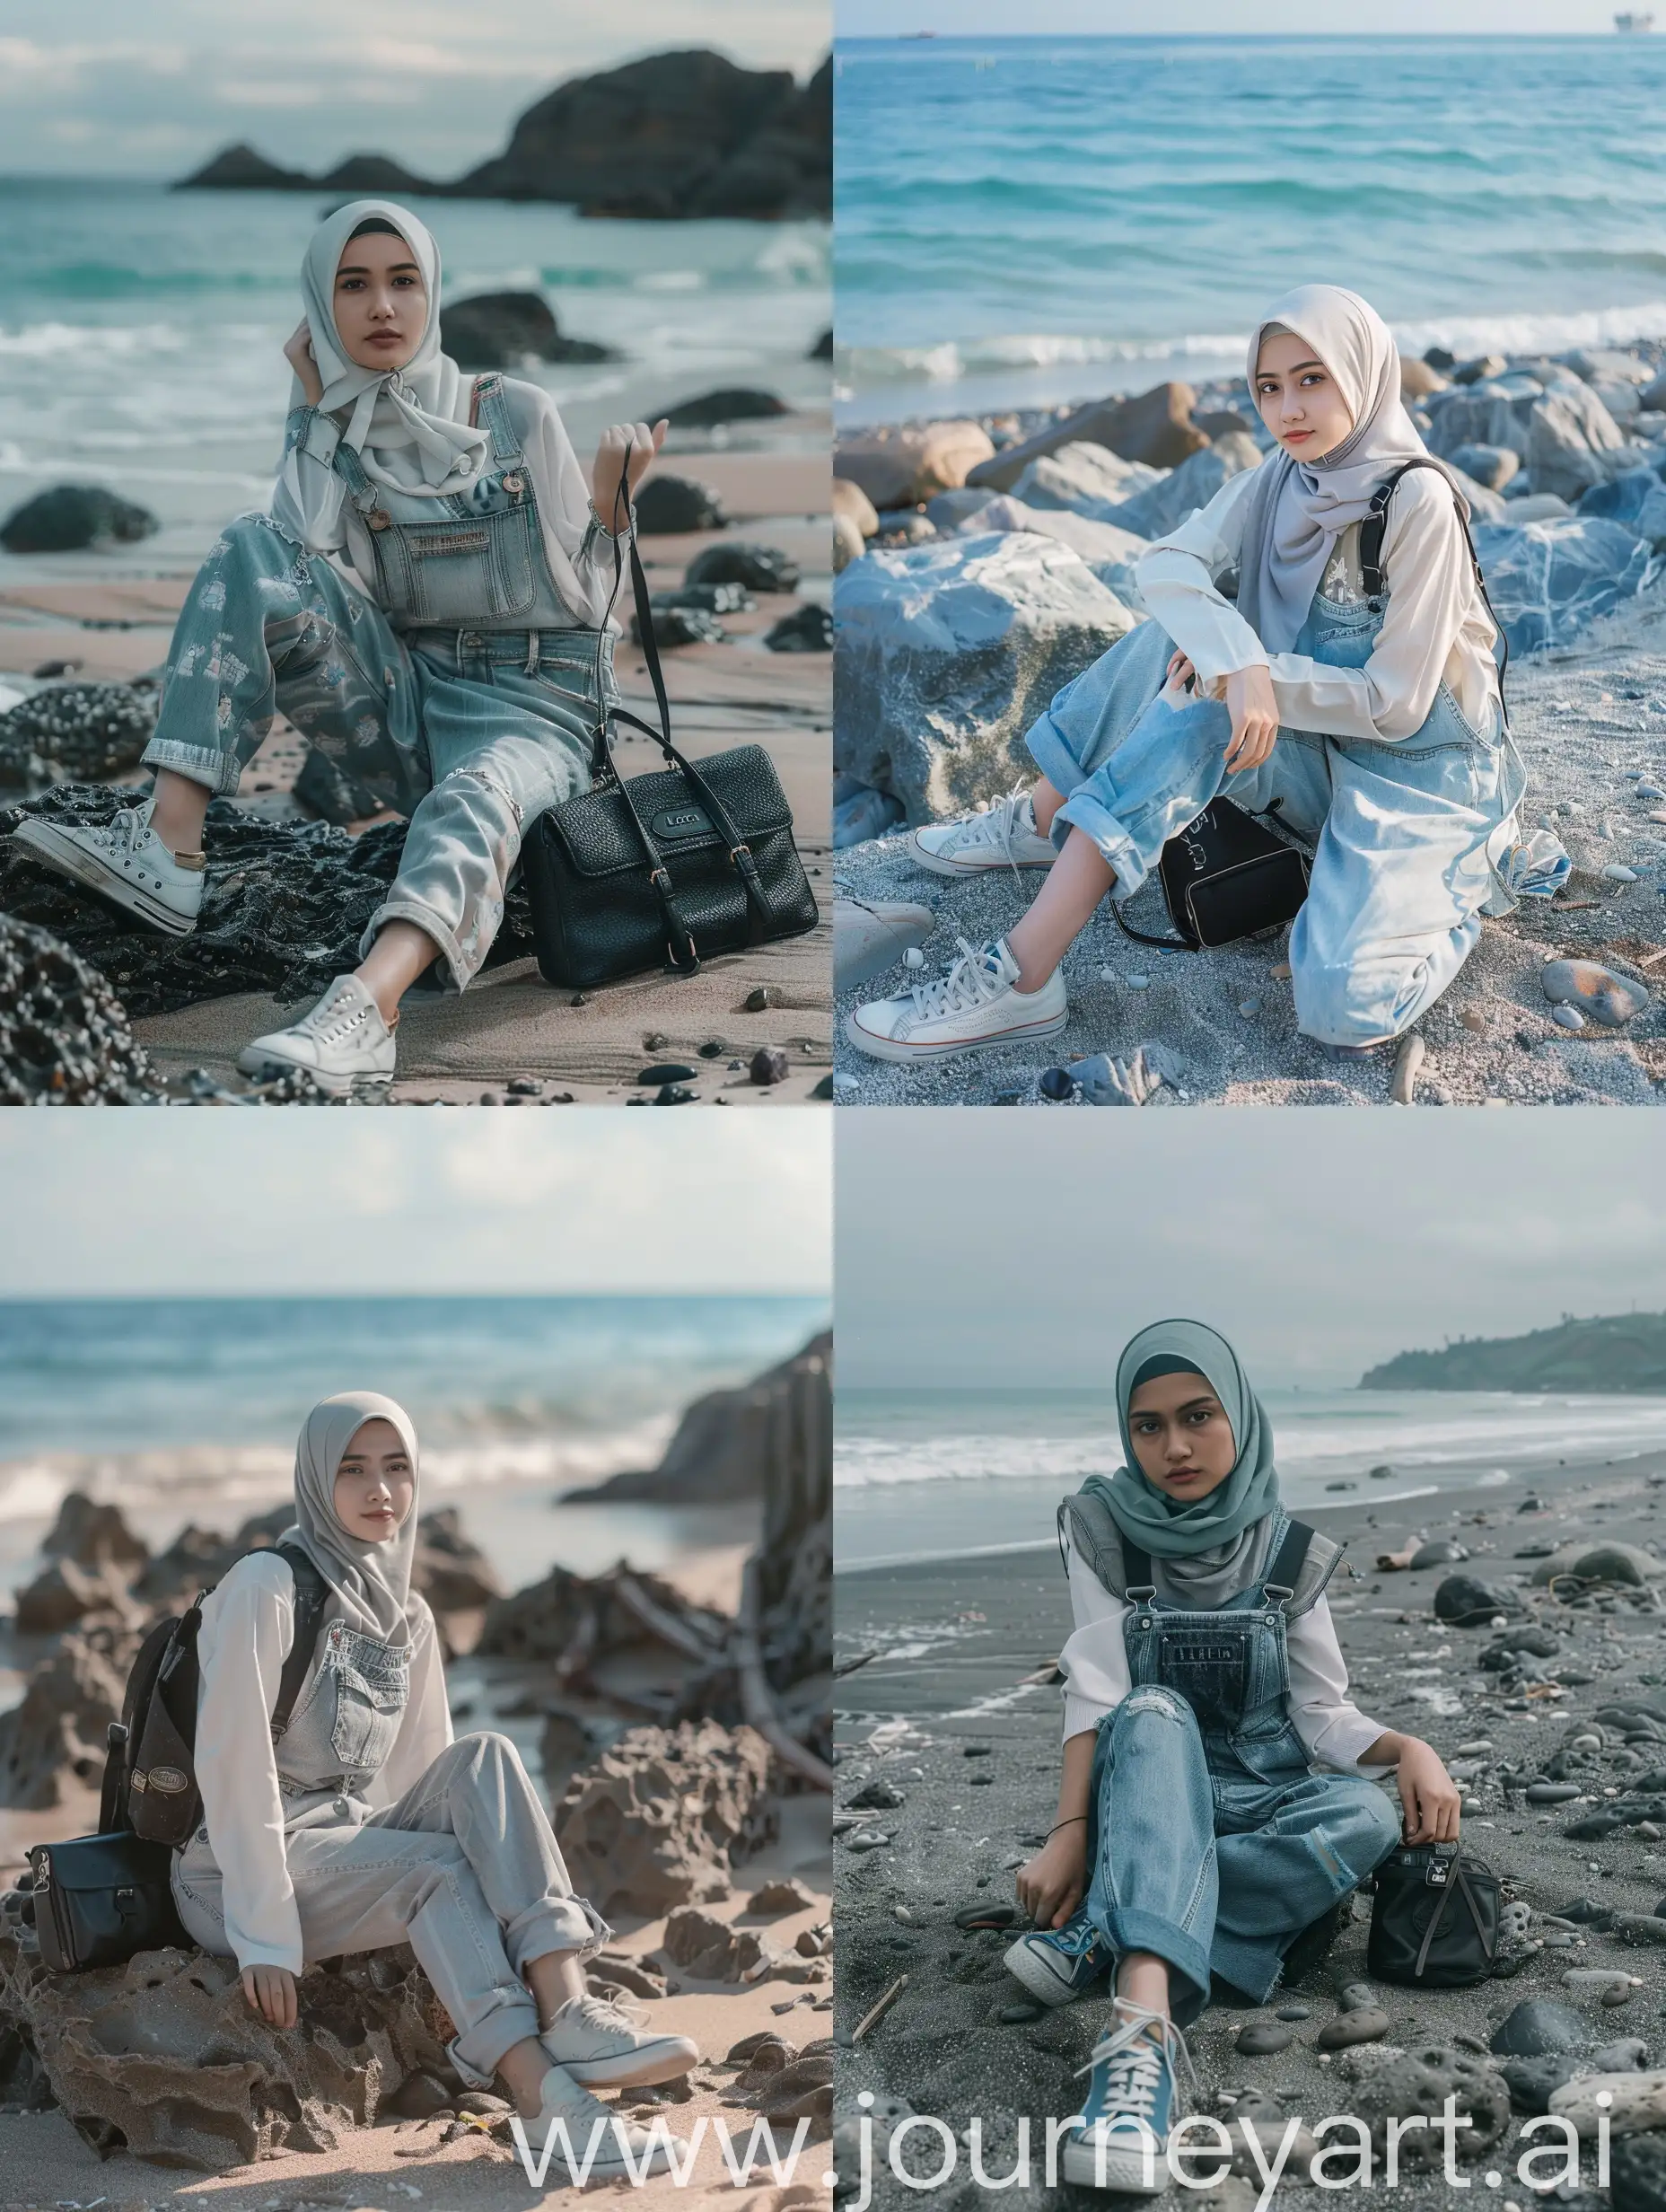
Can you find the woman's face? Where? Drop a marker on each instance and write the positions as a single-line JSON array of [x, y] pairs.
[[1299, 399], [380, 301], [1182, 1438], [375, 1484]]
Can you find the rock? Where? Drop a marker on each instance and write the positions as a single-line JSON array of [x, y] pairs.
[[1549, 580], [822, 350], [900, 526], [738, 403], [1293, 2012], [1362, 2023], [1155, 427], [851, 504], [945, 653], [165, 2057], [1610, 1562], [1633, 2101], [1598, 993], [848, 544], [1163, 506], [1568, 1017], [1442, 1552], [667, 504], [94, 1535], [951, 511], [54, 1736], [66, 1593], [1596, 1981], [1481, 416], [453, 1573], [1111, 552], [1491, 466], [75, 730], [871, 936], [1467, 1602], [902, 467], [808, 628], [1637, 2174], [1120, 1079], [509, 329], [769, 1066], [1532, 2081], [1261, 2038], [565, 1745], [709, 1950], [709, 598], [1538, 2026], [1538, 1643], [1017, 2015], [861, 812], [1419, 2080], [1571, 438], [65, 1038], [1418, 379], [755, 567], [1222, 421], [663, 1814], [1636, 499], [420, 2097], [777, 1897], [1080, 479], [676, 625], [239, 168], [71, 518]]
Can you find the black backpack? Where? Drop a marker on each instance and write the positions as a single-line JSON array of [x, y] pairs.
[[100, 1899]]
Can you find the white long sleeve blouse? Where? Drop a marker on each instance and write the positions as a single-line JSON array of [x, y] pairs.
[[1333, 1730], [248, 1629], [1435, 627], [310, 503]]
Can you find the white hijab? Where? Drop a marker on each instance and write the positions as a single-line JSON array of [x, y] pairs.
[[1299, 508], [371, 1582], [408, 426]]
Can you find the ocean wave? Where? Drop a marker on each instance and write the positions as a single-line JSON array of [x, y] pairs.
[[46, 341]]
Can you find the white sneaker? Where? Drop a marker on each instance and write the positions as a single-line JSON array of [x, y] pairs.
[[1003, 836], [971, 1008], [125, 862], [589, 2122], [601, 2047], [344, 1040]]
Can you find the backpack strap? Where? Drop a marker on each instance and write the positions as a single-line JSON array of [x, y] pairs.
[[1370, 576], [311, 1591]]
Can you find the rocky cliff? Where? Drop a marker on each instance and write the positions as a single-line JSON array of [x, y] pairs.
[[1616, 1352]]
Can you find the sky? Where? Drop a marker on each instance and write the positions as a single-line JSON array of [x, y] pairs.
[[123, 1203], [1180, 19], [102, 87], [999, 1247]]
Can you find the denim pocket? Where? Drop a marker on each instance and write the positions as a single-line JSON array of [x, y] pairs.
[[372, 1684]]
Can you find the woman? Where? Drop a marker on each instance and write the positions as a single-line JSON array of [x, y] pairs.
[[1204, 1685], [366, 1825], [1374, 724], [428, 602]]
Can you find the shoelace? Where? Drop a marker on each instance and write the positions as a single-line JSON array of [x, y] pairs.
[[998, 826], [1135, 2064], [602, 2012], [331, 1020], [970, 982], [122, 832]]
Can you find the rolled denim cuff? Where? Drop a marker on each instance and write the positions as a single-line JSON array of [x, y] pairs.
[[459, 973], [219, 771], [511, 2017], [555, 1924], [1089, 814], [1051, 755]]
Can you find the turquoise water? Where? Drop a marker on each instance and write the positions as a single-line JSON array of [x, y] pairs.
[[1027, 219], [142, 330]]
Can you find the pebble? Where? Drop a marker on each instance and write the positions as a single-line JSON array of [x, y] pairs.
[[1015, 2015], [1537, 2026], [1261, 2038], [1249, 1008], [1569, 1017], [1362, 2023], [1293, 2012], [1471, 1020], [1617, 872], [1281, 972], [769, 1066], [712, 1049], [1600, 1981], [1357, 1996], [867, 1840], [758, 1001], [1055, 1083], [845, 1085], [674, 1094], [1650, 791], [1552, 1793], [668, 1071], [914, 957], [1597, 991], [1139, 983], [985, 1916]]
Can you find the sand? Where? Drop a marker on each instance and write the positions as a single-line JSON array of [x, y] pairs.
[[954, 1643], [1224, 1020], [510, 1023]]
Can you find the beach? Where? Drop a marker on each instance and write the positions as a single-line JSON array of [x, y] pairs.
[[946, 1688]]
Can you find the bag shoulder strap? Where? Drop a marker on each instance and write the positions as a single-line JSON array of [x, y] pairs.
[[1371, 535], [311, 1591], [1097, 1540], [1302, 1566]]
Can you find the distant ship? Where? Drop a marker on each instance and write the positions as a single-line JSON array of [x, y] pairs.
[[1634, 20]]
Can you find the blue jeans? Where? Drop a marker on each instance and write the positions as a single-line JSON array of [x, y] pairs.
[[469, 733], [1211, 1871], [1401, 873]]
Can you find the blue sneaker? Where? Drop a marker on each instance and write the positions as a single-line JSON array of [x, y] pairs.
[[1057, 1965], [1132, 2103]]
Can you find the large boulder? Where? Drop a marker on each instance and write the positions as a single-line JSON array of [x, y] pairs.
[[1488, 414], [70, 730], [70, 518], [1636, 499], [852, 505], [1155, 427], [1111, 553], [1087, 479], [662, 1817], [901, 468], [730, 403], [507, 329], [1572, 442], [540, 1623], [65, 1036], [1491, 466], [945, 653], [64, 1594], [94, 1535], [1162, 506], [1390, 2084], [165, 2057], [1548, 581], [449, 1569], [54, 1740], [667, 505]]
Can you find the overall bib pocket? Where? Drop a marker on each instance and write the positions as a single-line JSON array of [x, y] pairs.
[[372, 1684]]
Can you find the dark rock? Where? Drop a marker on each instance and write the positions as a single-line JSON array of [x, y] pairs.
[[1509, 1643], [507, 330], [777, 1897], [665, 1071], [447, 1568], [1361, 2024], [420, 2096], [755, 567], [1532, 2081], [94, 1535], [1585, 1913], [769, 1066], [1538, 2026], [371, 176], [822, 350], [730, 404], [710, 598], [1464, 1602], [680, 625], [55, 1737], [1596, 1828], [1552, 1793], [674, 1094], [75, 730], [1223, 422], [759, 998], [1293, 2012], [1259, 2039], [239, 169], [1018, 2015], [710, 1950], [1442, 1552], [66, 1593], [68, 518], [808, 628], [661, 1816], [1637, 2172], [65, 1038], [1630, 2055], [875, 1797], [1055, 1083], [1420, 2082], [1155, 427], [985, 1916], [666, 505]]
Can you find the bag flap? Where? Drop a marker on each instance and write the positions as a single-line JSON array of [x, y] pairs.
[[597, 837], [108, 1861]]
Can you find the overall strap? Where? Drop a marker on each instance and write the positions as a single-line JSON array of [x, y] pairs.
[[1137, 1583], [351, 468], [1283, 1570], [492, 414], [311, 1591], [1370, 576]]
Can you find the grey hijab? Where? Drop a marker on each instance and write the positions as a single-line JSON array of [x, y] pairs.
[[1299, 508], [1208, 1550], [370, 1583]]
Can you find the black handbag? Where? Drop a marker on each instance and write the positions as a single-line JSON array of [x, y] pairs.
[[1225, 877], [663, 869], [100, 1899], [1435, 1918]]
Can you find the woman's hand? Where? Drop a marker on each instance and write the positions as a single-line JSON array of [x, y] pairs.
[[642, 444], [1182, 676], [1050, 1885], [271, 1992], [1428, 1795], [1255, 717], [298, 353]]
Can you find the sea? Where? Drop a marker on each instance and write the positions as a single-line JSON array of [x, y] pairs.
[[932, 1474], [1021, 222], [142, 329], [183, 1409]]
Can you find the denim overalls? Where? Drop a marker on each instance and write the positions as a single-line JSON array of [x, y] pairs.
[[1211, 1843], [464, 1866], [1401, 831], [462, 695]]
